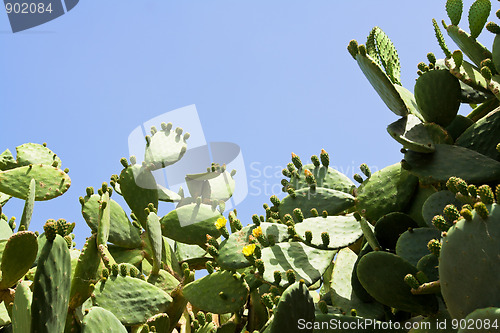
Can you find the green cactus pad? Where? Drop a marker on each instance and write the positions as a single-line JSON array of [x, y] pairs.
[[412, 245], [121, 232], [160, 321], [219, 292], [325, 177], [435, 204], [17, 258], [469, 46], [389, 227], [7, 161], [472, 247], [230, 251], [412, 134], [21, 311], [382, 275], [380, 47], [131, 300], [495, 58], [343, 230], [437, 94], [458, 126], [85, 273], [138, 187], [483, 320], [308, 263], [34, 153], [166, 195], [438, 134], [156, 240], [211, 185], [163, 280], [382, 85], [104, 220], [166, 146], [186, 252], [429, 265], [191, 223], [51, 287], [417, 202], [132, 256], [483, 136], [101, 320], [51, 182], [28, 206], [478, 15], [296, 305], [454, 10], [387, 190], [333, 201], [5, 230], [341, 292], [448, 161]]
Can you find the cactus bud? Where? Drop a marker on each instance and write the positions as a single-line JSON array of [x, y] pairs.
[[290, 276], [324, 214], [291, 230], [50, 230], [209, 267], [472, 191], [466, 213], [431, 58], [123, 270], [411, 281], [358, 178], [99, 191], [482, 210], [212, 250], [255, 219], [486, 73], [285, 182], [89, 191], [201, 318], [262, 218], [212, 241], [440, 223], [486, 194], [314, 212], [114, 269], [325, 238], [422, 67], [275, 201], [362, 50], [134, 272], [405, 165], [315, 160], [286, 173], [325, 158], [277, 277], [208, 317], [434, 247], [497, 192], [365, 170], [308, 236], [298, 214], [259, 263], [288, 219], [105, 273], [451, 213], [185, 266], [323, 307], [267, 301], [291, 192], [458, 58], [353, 48], [296, 161]]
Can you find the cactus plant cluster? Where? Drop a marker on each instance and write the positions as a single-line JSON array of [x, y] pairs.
[[415, 241]]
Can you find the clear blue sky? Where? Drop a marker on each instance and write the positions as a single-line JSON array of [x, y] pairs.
[[270, 76]]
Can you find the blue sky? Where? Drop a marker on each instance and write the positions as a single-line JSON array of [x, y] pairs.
[[270, 76]]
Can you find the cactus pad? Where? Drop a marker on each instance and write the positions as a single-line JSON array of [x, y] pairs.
[[473, 247], [101, 320], [34, 153], [389, 227], [51, 182], [166, 146], [343, 230], [230, 251], [412, 245], [437, 94], [216, 185], [308, 263], [131, 300], [17, 258], [382, 275], [326, 177], [191, 223], [472, 48], [220, 292], [121, 232]]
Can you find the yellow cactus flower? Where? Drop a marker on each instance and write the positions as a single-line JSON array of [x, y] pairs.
[[221, 222], [257, 232], [307, 173], [248, 250]]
